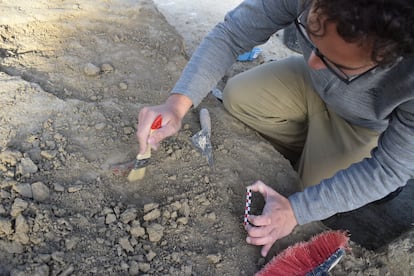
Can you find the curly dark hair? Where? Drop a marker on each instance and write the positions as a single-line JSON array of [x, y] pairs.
[[387, 24]]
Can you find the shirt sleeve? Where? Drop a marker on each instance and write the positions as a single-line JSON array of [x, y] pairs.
[[390, 166], [248, 25]]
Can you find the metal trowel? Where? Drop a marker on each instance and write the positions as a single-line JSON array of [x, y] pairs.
[[202, 138]]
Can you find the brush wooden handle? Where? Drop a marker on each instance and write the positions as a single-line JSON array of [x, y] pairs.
[[146, 154]]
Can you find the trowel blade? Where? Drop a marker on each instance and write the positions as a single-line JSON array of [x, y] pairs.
[[202, 142]]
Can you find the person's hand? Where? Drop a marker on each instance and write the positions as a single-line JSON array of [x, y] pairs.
[[276, 221], [172, 112]]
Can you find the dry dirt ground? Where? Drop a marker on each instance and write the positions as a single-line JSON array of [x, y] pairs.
[[73, 76]]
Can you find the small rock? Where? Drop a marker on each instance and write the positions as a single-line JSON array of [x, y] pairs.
[[5, 194], [40, 191], [100, 126], [5, 226], [133, 268], [21, 230], [71, 243], [91, 70], [137, 231], [26, 167], [123, 86], [128, 215], [154, 214], [125, 244], [166, 214], [183, 220], [107, 68], [150, 255], [176, 257], [213, 259], [144, 267], [10, 157], [133, 241], [150, 206], [128, 130], [211, 216], [110, 218], [206, 203], [58, 187], [19, 205], [155, 232], [23, 189], [48, 154], [176, 205], [7, 184], [124, 266], [107, 210], [185, 209], [100, 240], [74, 189]]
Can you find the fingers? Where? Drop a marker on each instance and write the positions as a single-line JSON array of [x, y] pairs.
[[172, 111], [145, 120], [265, 249], [170, 125], [276, 221], [262, 188], [266, 241], [260, 240], [261, 220]]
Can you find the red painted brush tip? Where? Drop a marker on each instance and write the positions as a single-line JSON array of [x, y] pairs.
[[157, 122], [303, 257]]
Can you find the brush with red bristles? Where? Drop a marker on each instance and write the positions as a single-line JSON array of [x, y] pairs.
[[314, 258]]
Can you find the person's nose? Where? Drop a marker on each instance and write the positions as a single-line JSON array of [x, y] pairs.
[[315, 62]]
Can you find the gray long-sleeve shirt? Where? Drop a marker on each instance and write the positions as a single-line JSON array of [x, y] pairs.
[[382, 100]]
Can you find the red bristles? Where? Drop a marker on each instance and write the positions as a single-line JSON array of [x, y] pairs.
[[303, 257]]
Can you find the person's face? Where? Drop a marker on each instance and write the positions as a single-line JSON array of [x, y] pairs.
[[347, 60]]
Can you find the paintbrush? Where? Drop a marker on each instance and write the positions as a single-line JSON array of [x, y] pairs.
[[142, 160]]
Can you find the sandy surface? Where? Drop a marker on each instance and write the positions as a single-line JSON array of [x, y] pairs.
[[194, 19], [73, 76]]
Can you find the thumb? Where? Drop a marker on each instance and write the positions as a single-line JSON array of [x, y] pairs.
[[265, 249]]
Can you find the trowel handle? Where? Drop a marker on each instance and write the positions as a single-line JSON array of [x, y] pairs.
[[205, 120]]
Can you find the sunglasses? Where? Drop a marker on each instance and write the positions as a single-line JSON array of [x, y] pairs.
[[333, 67]]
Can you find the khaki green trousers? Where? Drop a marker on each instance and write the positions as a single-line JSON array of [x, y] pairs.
[[277, 99]]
